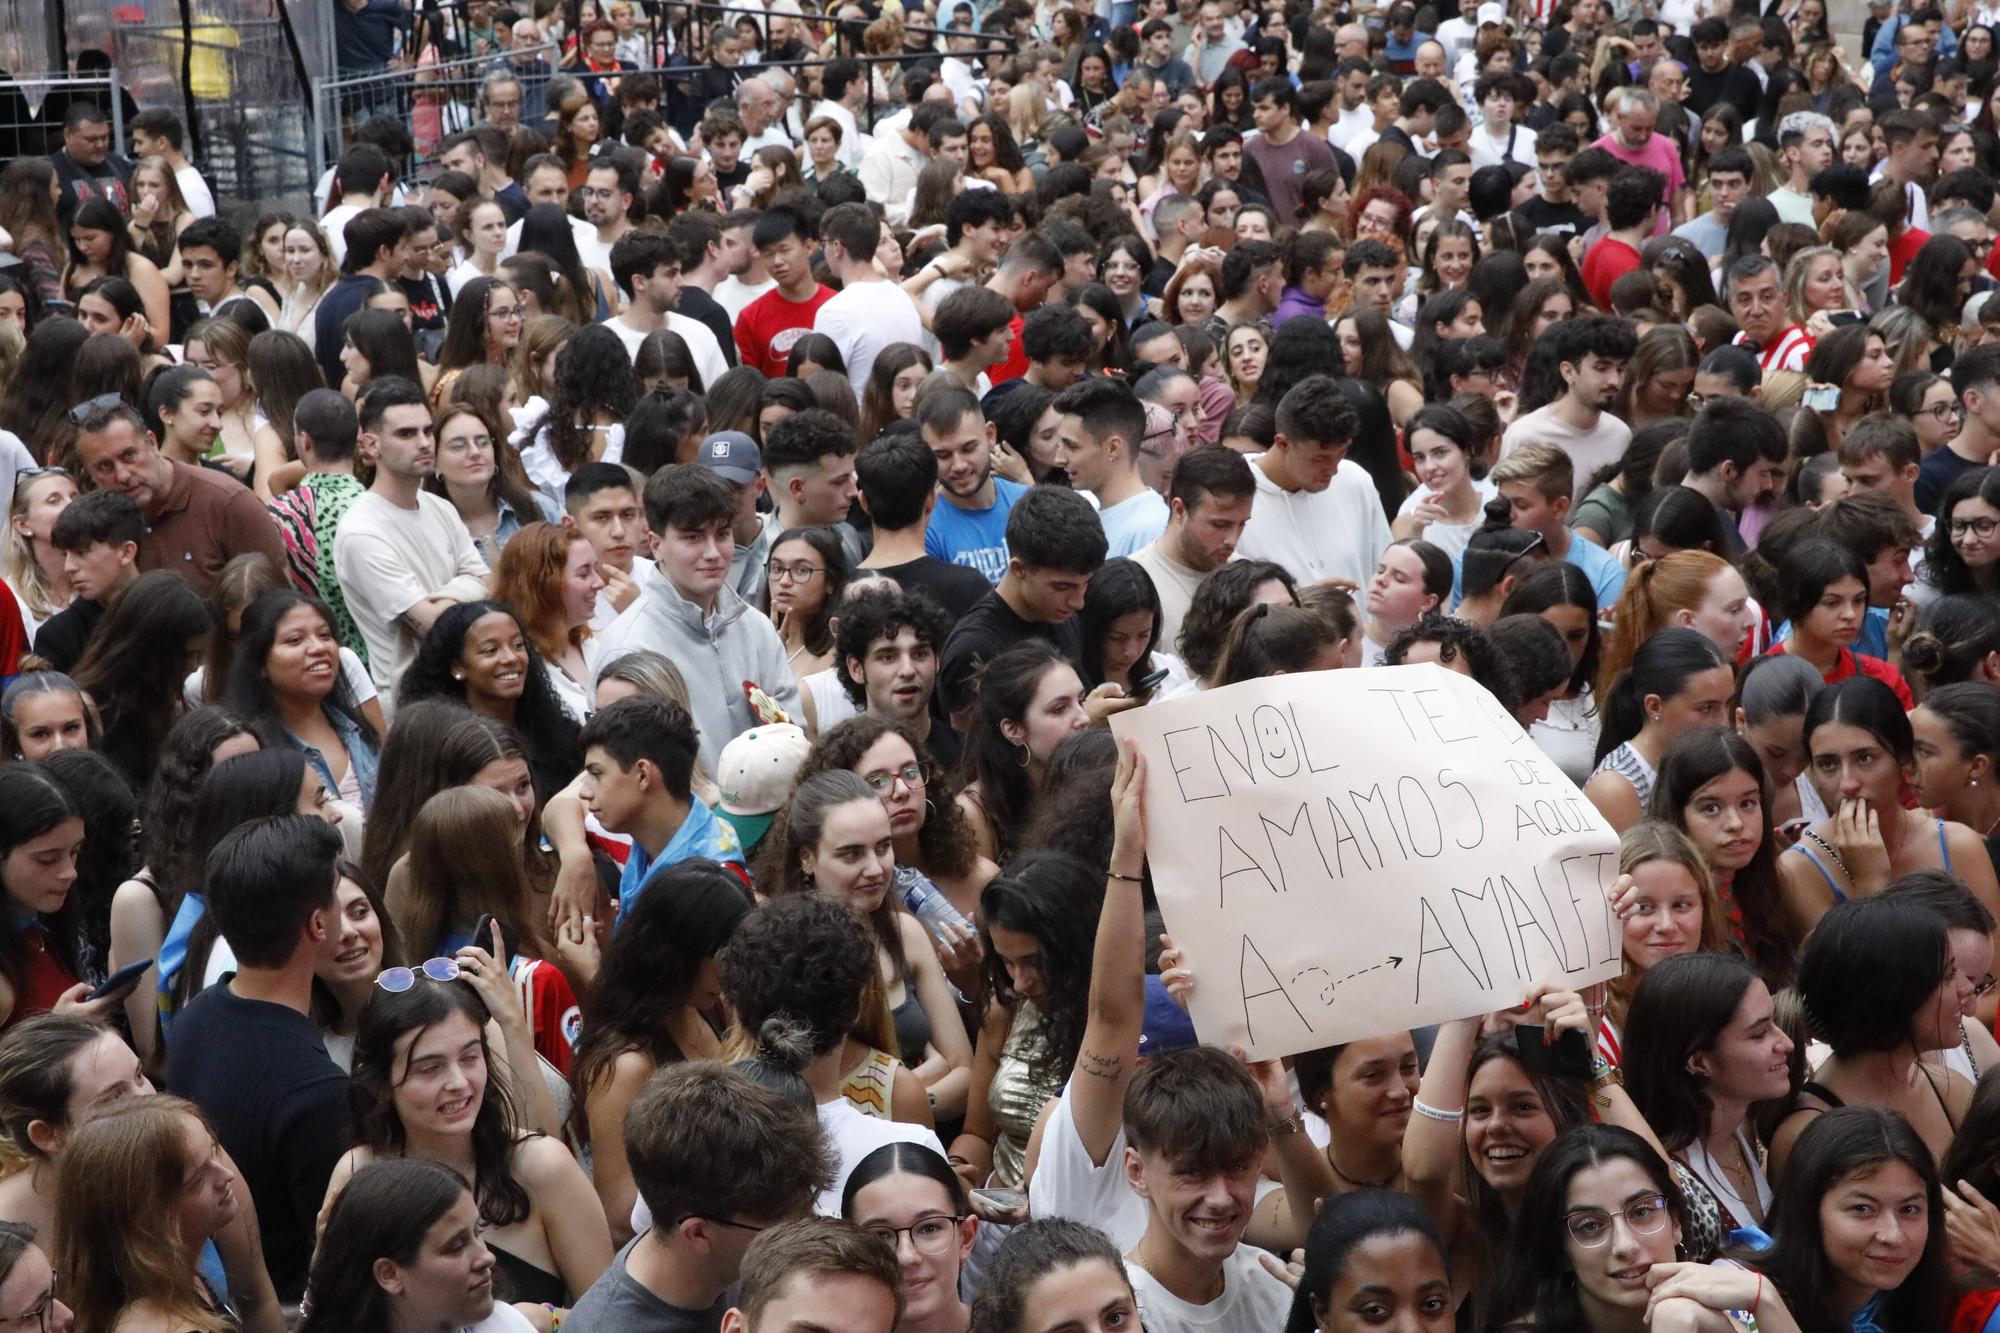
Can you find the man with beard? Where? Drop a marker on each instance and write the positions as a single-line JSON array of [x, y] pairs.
[[647, 267], [1736, 458], [969, 524], [1316, 511], [897, 477], [608, 190], [1592, 356], [1208, 504], [888, 664]]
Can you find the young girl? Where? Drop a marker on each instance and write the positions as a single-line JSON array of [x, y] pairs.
[[1669, 909], [550, 576], [1449, 506], [1713, 789], [805, 575], [1861, 747], [906, 1193], [1773, 693], [1880, 980], [34, 568], [1702, 1046], [1053, 1273], [1121, 624], [1412, 579], [40, 833], [1964, 551], [1689, 589], [1825, 587], [1373, 1259], [1361, 1092], [1957, 733], [1678, 680], [1029, 700], [1561, 594]]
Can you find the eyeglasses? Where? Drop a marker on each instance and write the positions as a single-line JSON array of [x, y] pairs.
[[1981, 528], [512, 312], [396, 980], [40, 1314], [1943, 412], [725, 1222], [912, 776], [99, 403], [931, 1235], [1591, 1227], [799, 573]]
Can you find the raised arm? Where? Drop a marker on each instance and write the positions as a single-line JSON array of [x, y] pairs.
[[1109, 1054], [1431, 1140]]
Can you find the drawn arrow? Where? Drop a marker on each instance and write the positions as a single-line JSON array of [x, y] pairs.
[[1393, 961]]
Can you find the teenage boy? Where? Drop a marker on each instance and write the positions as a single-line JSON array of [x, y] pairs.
[[1158, 59], [1630, 206], [1208, 503], [324, 427], [1498, 140], [745, 278], [1975, 377], [972, 330], [403, 554], [869, 312], [1715, 78], [210, 249], [1028, 274], [647, 265], [1874, 527], [1281, 148], [819, 1273], [375, 256], [717, 1158], [1805, 145], [897, 476], [247, 1052], [975, 229], [1097, 444], [706, 261], [197, 519], [1733, 164], [686, 611], [159, 133], [638, 763], [1054, 545], [1373, 273], [769, 325], [1552, 209], [1055, 340], [1163, 1155], [1735, 458], [1537, 481], [98, 534], [1880, 453], [1311, 274], [1591, 357], [1316, 512], [888, 654], [968, 526], [602, 502], [1250, 284], [809, 471]]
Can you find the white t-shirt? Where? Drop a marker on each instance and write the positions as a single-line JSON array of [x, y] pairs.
[[1175, 583], [732, 294], [504, 1319], [702, 346], [1068, 1184], [1337, 533], [1591, 450], [864, 318], [462, 272], [352, 670], [855, 1135], [1450, 537], [200, 199], [334, 226], [1251, 1299], [389, 559]]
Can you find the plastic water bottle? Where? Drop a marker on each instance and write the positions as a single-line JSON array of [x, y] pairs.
[[929, 904]]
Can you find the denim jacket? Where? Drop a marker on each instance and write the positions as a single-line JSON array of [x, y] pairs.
[[361, 756]]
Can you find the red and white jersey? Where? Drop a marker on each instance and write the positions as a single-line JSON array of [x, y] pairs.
[[1787, 351]]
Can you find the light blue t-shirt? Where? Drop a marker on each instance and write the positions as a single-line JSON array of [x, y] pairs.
[[975, 538], [1133, 525], [1606, 576]]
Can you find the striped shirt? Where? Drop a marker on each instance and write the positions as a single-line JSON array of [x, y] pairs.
[[1787, 351]]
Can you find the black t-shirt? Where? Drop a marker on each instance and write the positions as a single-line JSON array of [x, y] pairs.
[[1565, 219], [735, 176], [698, 304], [990, 628], [1733, 84], [261, 1075], [62, 637], [429, 302], [956, 588]]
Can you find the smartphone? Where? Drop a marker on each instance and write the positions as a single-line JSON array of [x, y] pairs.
[[1567, 1057], [1822, 398], [124, 979], [1001, 1200], [1840, 317], [1149, 682], [482, 936]]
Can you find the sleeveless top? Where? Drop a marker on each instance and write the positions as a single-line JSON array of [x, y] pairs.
[[1629, 764], [868, 1084], [518, 1280], [913, 1026], [1804, 848], [1016, 1096]]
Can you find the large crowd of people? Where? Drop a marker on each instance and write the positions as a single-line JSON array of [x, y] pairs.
[[555, 766]]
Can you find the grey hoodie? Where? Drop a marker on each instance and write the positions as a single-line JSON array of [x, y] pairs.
[[736, 644]]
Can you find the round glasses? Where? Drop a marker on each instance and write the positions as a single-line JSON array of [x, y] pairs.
[[799, 573], [396, 980], [1592, 1227], [912, 776], [931, 1235]]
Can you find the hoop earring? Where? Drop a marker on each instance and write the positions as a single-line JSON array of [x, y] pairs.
[[1026, 757]]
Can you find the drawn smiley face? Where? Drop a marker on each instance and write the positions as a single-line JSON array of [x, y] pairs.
[[1275, 742]]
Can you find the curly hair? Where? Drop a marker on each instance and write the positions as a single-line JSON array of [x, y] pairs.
[[1218, 600], [530, 579], [169, 837], [593, 374], [546, 727], [945, 841], [863, 620], [1054, 899], [803, 957]]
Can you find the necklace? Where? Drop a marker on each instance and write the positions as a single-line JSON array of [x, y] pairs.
[[1361, 1184]]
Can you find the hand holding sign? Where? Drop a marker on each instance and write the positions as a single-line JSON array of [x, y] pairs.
[[1341, 854]]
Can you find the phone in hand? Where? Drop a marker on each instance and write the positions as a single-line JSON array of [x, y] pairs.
[[1149, 682], [1001, 1200], [121, 981], [1822, 398], [1568, 1056], [510, 941]]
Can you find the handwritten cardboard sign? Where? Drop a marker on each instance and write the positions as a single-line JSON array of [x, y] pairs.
[[1342, 854]]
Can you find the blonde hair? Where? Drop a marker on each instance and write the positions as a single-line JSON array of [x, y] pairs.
[[1544, 466], [118, 1246], [329, 267], [1796, 269], [1644, 843], [176, 202], [541, 335], [1655, 593], [24, 571]]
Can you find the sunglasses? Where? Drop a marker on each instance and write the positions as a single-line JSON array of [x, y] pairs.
[[396, 980], [84, 409]]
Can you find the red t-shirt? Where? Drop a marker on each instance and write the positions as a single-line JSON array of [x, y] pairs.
[[1016, 364], [1608, 261], [769, 325], [1852, 663], [1903, 249]]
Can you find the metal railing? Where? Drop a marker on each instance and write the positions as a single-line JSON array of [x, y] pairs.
[[32, 107]]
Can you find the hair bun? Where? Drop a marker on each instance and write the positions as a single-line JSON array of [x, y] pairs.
[[1924, 653], [785, 1043]]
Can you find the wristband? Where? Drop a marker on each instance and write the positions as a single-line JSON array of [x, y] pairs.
[[1129, 879], [1291, 1124], [1433, 1113]]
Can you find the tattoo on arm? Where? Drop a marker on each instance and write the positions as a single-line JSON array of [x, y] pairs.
[[1099, 1066]]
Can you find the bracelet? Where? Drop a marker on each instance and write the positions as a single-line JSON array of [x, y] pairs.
[[1433, 1113], [1129, 879], [1291, 1124]]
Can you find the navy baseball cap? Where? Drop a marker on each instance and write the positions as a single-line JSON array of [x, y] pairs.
[[731, 455]]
